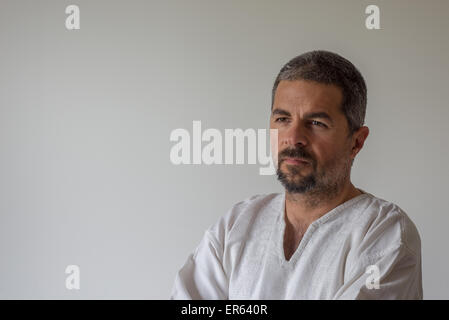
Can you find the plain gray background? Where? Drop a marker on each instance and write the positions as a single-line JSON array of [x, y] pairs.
[[86, 115]]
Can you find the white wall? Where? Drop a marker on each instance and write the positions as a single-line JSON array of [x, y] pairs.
[[86, 115]]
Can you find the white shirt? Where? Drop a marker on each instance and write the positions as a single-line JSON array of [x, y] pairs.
[[343, 255]]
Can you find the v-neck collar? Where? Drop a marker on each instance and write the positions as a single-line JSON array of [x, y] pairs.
[[311, 228]]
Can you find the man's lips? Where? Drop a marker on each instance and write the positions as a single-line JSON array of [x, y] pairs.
[[296, 161]]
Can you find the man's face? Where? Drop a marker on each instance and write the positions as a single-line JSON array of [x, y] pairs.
[[311, 126]]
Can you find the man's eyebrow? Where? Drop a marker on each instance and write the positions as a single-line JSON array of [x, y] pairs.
[[310, 115], [280, 112]]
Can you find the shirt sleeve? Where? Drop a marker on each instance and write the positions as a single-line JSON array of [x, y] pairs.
[[202, 276], [392, 274]]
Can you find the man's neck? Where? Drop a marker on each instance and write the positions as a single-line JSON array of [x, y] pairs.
[[302, 210]]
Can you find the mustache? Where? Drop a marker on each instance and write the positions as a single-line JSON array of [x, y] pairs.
[[294, 153]]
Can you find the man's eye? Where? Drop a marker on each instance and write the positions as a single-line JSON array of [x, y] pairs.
[[314, 122], [281, 119]]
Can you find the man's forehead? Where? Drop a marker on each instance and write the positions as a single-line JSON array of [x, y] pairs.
[[309, 95]]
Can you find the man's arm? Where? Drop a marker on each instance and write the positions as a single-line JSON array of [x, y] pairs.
[[202, 276], [397, 272]]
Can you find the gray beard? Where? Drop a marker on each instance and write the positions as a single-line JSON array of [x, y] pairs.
[[311, 190]]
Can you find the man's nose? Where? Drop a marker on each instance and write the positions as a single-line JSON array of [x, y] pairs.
[[295, 134]]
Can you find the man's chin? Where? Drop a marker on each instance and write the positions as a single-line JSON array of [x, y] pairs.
[[296, 183], [295, 189]]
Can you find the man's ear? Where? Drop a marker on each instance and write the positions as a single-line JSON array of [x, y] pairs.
[[358, 140]]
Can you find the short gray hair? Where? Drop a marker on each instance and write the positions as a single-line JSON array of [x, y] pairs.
[[330, 68]]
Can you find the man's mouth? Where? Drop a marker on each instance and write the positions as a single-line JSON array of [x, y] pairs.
[[296, 161]]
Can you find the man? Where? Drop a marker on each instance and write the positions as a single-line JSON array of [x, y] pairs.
[[323, 238]]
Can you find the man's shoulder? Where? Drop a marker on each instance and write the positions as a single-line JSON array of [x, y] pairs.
[[389, 226], [255, 203], [251, 207], [244, 213]]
